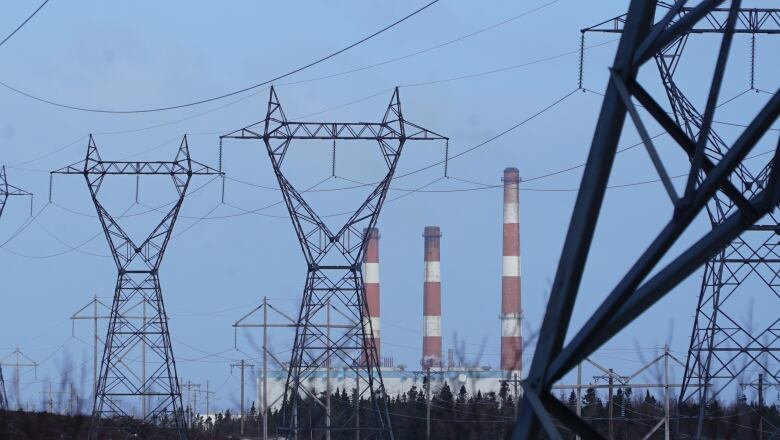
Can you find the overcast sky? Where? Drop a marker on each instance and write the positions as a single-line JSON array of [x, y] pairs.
[[133, 55]]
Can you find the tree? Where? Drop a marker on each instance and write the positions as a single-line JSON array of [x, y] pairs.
[[462, 394], [572, 402], [591, 398], [503, 391], [445, 394]]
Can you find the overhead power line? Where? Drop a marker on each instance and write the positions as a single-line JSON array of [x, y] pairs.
[[23, 23], [233, 93]]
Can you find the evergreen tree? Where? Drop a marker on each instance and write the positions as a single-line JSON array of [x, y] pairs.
[[462, 394], [572, 402], [503, 391], [649, 399], [445, 394]]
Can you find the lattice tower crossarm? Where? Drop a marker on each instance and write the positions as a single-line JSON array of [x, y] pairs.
[[334, 276], [657, 270], [129, 338]]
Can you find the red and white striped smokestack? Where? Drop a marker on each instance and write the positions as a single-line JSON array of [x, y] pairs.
[[371, 284], [431, 355], [511, 307]]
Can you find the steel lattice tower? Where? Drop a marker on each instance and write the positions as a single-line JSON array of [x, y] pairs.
[[334, 276], [6, 190], [713, 179], [3, 395], [131, 337], [722, 348]]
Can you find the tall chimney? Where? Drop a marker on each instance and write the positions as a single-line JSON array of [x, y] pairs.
[[431, 355], [511, 310], [371, 284]]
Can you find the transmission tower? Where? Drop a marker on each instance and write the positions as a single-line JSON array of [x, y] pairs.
[[722, 346], [138, 287], [3, 395], [334, 274], [712, 181], [7, 190]]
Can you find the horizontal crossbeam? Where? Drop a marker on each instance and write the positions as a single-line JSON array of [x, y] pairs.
[[370, 131], [749, 21], [136, 168]]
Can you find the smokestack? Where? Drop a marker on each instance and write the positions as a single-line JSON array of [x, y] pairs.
[[511, 311], [371, 284], [431, 355]]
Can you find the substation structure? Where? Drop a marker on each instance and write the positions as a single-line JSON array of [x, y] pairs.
[[722, 347], [718, 179], [7, 190], [334, 275], [138, 324]]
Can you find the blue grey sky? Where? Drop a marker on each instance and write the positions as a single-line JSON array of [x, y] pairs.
[[130, 55]]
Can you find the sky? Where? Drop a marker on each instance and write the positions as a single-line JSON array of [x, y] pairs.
[[468, 85]]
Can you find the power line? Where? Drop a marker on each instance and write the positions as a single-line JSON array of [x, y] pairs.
[[326, 110], [23, 23], [229, 94]]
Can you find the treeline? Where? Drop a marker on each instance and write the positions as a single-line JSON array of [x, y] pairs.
[[452, 415]]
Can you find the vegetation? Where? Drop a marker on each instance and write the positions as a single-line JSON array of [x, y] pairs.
[[454, 414]]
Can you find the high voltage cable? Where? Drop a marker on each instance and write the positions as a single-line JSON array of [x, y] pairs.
[[407, 191], [326, 110], [23, 23], [229, 94]]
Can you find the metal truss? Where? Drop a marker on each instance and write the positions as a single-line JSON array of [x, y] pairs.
[[713, 179], [748, 21], [334, 277], [722, 348], [8, 190], [130, 338]]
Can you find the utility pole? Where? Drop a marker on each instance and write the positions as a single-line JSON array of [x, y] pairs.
[[666, 392], [759, 386], [208, 395], [761, 406], [515, 381], [579, 393], [357, 407], [21, 360], [242, 365], [627, 381], [428, 403], [189, 413], [611, 427], [287, 322], [327, 362], [96, 342]]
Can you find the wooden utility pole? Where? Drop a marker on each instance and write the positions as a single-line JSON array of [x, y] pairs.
[[666, 392], [428, 403], [242, 365], [611, 379], [579, 393]]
